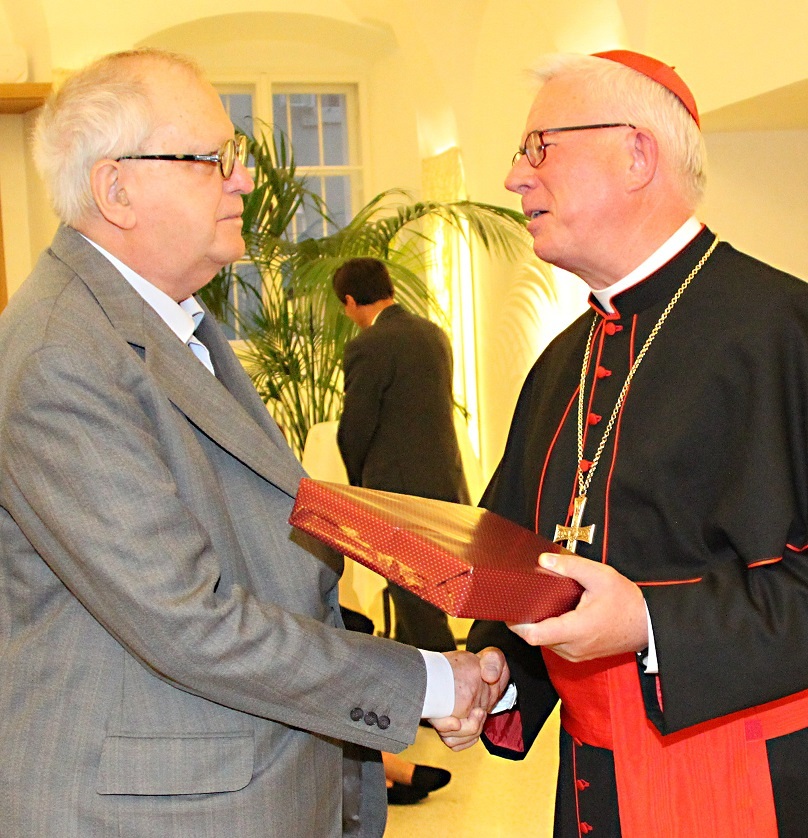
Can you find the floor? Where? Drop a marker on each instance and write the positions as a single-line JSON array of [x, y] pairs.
[[488, 797]]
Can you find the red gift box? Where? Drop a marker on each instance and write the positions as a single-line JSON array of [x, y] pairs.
[[468, 561]]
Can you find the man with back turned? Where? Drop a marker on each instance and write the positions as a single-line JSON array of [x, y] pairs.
[[397, 432]]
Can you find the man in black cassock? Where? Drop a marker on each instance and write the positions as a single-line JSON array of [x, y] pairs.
[[664, 438]]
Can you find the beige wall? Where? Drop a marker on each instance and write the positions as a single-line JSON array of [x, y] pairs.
[[14, 186], [758, 194], [432, 74]]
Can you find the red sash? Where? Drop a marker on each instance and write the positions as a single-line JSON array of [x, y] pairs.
[[710, 779]]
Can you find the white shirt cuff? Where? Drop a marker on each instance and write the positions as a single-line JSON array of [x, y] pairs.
[[650, 659], [439, 700], [507, 700]]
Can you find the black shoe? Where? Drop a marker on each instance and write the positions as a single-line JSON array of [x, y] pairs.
[[400, 795], [428, 779]]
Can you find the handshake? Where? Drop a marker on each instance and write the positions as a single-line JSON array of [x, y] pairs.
[[480, 681]]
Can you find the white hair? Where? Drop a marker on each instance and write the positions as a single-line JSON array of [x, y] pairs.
[[101, 111], [635, 98]]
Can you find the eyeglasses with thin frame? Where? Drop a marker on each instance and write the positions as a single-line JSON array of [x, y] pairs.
[[230, 151], [535, 149]]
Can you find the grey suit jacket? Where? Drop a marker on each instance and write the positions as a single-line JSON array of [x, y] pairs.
[[172, 661], [396, 432]]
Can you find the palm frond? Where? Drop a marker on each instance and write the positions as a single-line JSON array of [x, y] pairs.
[[295, 332]]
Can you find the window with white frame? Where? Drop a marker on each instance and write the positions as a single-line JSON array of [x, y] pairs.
[[320, 124]]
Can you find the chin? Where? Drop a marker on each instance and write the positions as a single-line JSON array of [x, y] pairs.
[[231, 252], [543, 250], [549, 248]]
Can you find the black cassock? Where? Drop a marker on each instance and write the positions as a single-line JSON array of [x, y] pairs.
[[702, 484]]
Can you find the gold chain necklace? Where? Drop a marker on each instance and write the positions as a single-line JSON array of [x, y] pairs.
[[575, 532]]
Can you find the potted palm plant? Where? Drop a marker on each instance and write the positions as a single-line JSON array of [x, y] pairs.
[[291, 326]]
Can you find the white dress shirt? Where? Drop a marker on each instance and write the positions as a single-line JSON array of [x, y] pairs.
[[182, 318]]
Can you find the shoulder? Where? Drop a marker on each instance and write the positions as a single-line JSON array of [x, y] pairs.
[[52, 304], [748, 296], [741, 272], [398, 319], [390, 323]]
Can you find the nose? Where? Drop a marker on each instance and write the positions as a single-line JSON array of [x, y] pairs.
[[519, 176], [240, 179]]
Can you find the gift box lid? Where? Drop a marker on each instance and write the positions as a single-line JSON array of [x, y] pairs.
[[468, 561]]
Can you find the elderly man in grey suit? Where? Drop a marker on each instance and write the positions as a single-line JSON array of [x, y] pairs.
[[172, 659], [397, 432]]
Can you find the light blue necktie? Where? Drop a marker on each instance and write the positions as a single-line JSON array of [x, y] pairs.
[[197, 347]]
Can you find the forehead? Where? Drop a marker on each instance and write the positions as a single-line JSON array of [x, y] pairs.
[[561, 102], [185, 106]]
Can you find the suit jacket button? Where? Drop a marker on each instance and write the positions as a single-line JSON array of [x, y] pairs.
[[357, 714], [384, 722], [371, 718]]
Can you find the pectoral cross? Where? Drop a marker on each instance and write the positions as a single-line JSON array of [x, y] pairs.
[[575, 532]]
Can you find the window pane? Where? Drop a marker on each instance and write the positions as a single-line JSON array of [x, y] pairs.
[[338, 200], [305, 136], [239, 107], [308, 219], [247, 302], [279, 121], [335, 129], [229, 327]]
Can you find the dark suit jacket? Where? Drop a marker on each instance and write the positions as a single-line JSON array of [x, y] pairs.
[[397, 430], [172, 660]]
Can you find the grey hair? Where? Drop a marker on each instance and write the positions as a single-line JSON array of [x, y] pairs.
[[635, 98], [101, 111]]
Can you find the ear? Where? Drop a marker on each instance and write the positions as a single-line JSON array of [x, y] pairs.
[[350, 305], [355, 312], [109, 194], [644, 153]]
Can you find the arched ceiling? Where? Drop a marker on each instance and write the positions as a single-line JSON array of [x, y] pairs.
[[369, 40], [77, 32]]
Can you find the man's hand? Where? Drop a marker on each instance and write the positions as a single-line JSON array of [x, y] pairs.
[[610, 619], [480, 681]]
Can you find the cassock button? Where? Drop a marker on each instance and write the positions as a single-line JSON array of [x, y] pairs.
[[371, 718], [602, 372], [582, 785], [586, 828], [593, 418], [357, 713], [384, 722], [612, 328]]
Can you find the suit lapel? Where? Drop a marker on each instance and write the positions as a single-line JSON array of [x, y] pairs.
[[226, 408], [231, 373], [217, 412]]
